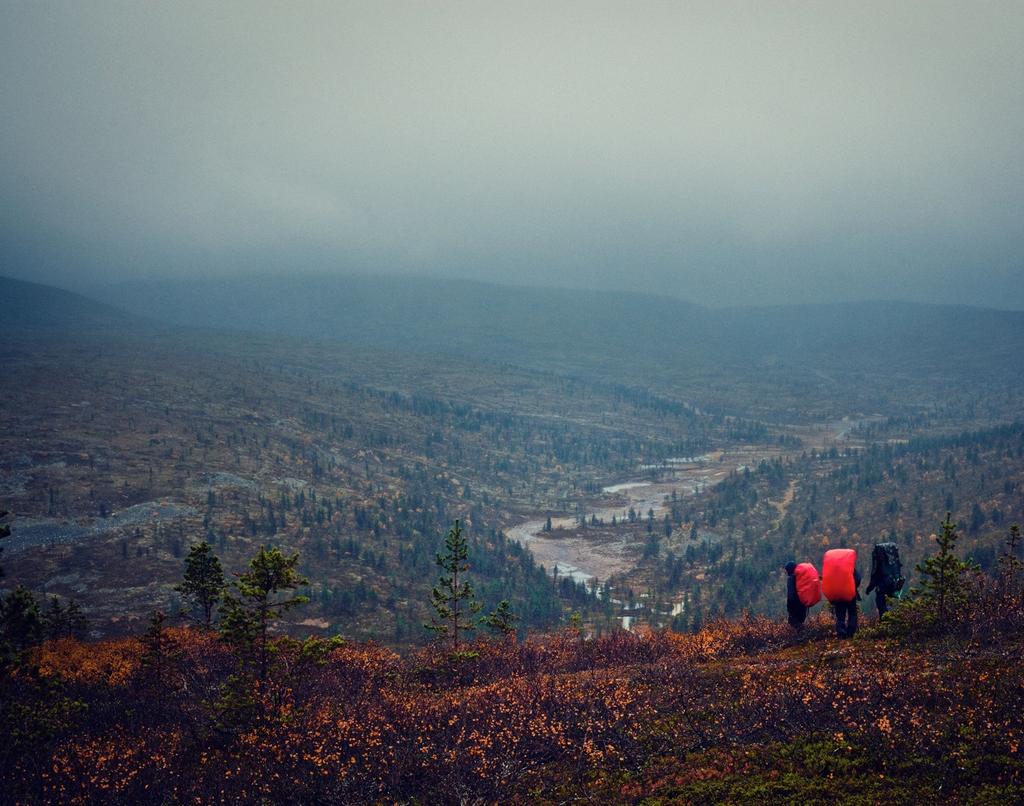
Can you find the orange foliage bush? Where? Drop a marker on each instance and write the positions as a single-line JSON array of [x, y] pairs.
[[111, 663]]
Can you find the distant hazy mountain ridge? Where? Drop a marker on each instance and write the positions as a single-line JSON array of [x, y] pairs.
[[32, 306], [752, 361], [550, 325]]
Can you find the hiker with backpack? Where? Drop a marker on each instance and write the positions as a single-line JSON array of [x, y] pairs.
[[840, 580], [803, 591], [886, 575]]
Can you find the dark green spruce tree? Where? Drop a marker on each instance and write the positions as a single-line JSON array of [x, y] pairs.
[[21, 622], [939, 602], [5, 531], [203, 583], [60, 621], [452, 598]]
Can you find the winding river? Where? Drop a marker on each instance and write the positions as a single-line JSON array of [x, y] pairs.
[[586, 554]]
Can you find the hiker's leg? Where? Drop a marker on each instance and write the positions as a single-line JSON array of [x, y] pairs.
[[839, 609], [881, 604], [851, 619]]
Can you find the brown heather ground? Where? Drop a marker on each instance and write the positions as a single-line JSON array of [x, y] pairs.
[[742, 711]]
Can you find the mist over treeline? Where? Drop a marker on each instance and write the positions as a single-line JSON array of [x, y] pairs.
[[735, 153]]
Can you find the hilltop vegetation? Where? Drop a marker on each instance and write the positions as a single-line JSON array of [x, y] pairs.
[[739, 711], [40, 310]]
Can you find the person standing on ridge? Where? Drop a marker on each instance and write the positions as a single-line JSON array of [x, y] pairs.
[[886, 575], [803, 591], [840, 580], [795, 608]]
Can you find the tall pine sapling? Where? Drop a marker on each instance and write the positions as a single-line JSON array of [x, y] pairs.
[[21, 623], [256, 601], [940, 601], [54, 619], [944, 575], [203, 583], [452, 597], [159, 649], [1010, 567]]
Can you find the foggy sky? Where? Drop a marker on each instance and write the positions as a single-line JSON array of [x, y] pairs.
[[722, 152]]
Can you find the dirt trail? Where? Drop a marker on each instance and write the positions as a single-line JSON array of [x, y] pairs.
[[783, 505]]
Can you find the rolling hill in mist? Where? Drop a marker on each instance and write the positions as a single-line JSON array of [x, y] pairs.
[[791, 363], [587, 328], [34, 307]]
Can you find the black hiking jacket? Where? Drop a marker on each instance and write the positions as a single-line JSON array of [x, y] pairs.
[[792, 599]]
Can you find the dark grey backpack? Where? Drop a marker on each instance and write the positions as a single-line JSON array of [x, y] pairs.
[[887, 569]]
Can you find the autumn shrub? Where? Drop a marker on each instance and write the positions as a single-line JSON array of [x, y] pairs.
[[993, 613], [759, 634], [355, 668], [110, 663], [996, 602], [563, 652], [35, 710], [987, 612]]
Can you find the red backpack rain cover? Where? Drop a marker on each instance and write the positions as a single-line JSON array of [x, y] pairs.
[[837, 575], [808, 586]]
